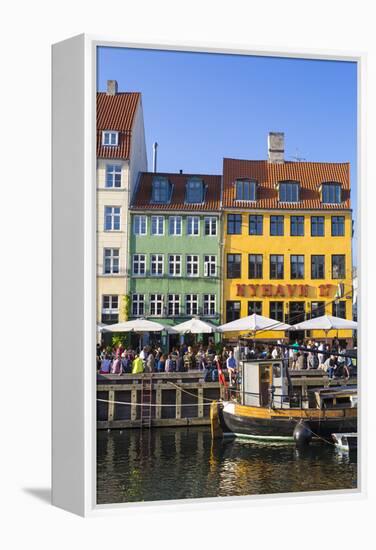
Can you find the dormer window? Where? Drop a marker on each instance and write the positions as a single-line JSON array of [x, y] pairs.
[[245, 190], [288, 191], [161, 190], [195, 191], [110, 138], [331, 193]]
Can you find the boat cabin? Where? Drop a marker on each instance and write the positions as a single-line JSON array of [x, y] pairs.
[[264, 383]]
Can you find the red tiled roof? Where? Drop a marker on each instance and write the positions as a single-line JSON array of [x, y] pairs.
[[143, 195], [310, 175], [116, 112]]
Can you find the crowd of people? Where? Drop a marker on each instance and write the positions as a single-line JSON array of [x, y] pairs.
[[183, 358], [222, 363]]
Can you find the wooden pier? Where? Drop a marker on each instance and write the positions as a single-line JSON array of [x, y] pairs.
[[174, 399]]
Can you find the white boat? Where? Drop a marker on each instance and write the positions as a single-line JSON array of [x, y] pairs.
[[345, 441]]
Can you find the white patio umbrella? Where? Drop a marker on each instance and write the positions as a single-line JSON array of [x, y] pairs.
[[253, 323], [139, 325], [195, 326], [326, 323]]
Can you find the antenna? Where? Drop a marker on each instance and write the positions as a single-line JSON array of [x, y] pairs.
[[297, 158]]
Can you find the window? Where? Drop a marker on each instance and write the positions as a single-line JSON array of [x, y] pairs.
[[157, 225], [296, 312], [193, 225], [276, 225], [113, 175], [139, 225], [289, 191], [245, 190], [192, 265], [156, 264], [338, 266], [210, 266], [317, 226], [232, 311], [156, 305], [111, 261], [234, 266], [110, 138], [138, 305], [209, 305], [317, 309], [173, 305], [112, 218], [331, 193], [276, 311], [276, 266], [174, 225], [110, 309], [210, 225], [297, 267], [161, 190], [255, 224], [318, 267], [234, 224], [191, 304], [338, 226], [297, 226], [139, 264], [195, 190], [339, 309], [174, 265], [255, 307], [254, 266]]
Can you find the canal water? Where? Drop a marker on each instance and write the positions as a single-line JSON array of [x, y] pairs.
[[163, 464]]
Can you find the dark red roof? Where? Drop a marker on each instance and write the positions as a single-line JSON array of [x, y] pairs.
[[116, 112], [310, 175], [142, 199]]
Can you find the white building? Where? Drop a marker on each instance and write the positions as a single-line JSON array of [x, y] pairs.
[[121, 156]]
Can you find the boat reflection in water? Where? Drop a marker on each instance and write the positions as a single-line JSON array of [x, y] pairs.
[[164, 464]]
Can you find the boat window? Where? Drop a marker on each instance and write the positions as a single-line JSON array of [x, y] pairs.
[[277, 371]]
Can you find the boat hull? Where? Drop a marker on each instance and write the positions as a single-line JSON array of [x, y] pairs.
[[279, 425]]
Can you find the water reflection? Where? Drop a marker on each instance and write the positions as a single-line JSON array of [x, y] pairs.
[[185, 463]]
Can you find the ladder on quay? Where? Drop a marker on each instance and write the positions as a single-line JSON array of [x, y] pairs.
[[146, 401]]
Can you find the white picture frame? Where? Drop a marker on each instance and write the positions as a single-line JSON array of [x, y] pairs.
[[74, 272]]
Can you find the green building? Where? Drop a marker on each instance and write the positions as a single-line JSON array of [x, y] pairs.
[[174, 248]]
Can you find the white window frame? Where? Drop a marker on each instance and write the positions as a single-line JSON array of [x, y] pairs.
[[173, 220], [159, 263], [114, 255], [139, 260], [176, 301], [191, 300], [211, 220], [156, 302], [111, 309], [113, 172], [209, 302], [138, 300], [174, 263], [191, 222], [138, 218], [112, 216], [112, 134], [210, 260], [159, 225], [189, 261]]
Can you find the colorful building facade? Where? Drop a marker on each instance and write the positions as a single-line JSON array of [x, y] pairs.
[[175, 256], [287, 233], [121, 156]]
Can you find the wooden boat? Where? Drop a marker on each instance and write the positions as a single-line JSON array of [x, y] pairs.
[[266, 406]]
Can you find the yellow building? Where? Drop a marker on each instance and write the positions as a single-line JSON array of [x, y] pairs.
[[287, 240]]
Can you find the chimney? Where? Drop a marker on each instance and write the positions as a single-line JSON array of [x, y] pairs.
[[112, 87], [180, 171], [276, 147], [155, 147]]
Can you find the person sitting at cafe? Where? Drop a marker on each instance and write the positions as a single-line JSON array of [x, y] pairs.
[[137, 365], [330, 366], [189, 360]]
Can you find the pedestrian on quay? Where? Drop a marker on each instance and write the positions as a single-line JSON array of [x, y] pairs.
[[137, 365], [150, 362], [231, 367]]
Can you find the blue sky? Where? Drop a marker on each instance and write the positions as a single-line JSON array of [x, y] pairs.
[[203, 107]]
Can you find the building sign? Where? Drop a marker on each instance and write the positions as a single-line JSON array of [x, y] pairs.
[[284, 291]]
